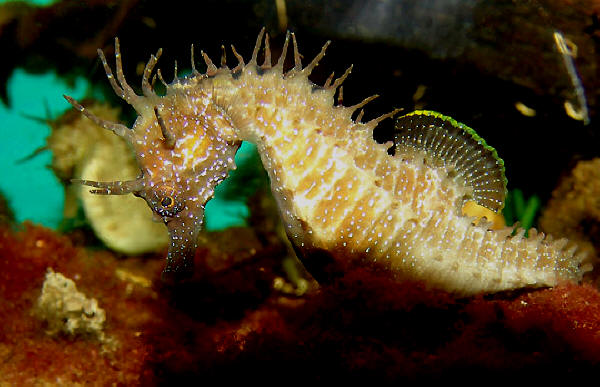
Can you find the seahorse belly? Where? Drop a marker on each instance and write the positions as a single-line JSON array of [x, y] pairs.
[[338, 208]]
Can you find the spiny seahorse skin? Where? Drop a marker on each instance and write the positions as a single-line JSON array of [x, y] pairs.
[[338, 190]]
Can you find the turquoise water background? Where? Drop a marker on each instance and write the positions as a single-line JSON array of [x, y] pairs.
[[33, 191], [31, 188]]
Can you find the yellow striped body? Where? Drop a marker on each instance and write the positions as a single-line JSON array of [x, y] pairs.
[[339, 192]]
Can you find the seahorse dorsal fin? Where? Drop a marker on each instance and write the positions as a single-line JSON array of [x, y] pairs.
[[460, 149]]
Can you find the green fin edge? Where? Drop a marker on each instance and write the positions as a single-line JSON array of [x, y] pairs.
[[472, 133]]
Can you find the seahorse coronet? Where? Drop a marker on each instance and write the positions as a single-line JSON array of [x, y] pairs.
[[342, 198]]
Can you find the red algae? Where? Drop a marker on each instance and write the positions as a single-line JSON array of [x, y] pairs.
[[569, 314], [28, 355], [228, 324], [124, 289]]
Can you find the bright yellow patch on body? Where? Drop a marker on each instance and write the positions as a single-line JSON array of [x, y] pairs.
[[472, 209], [191, 149]]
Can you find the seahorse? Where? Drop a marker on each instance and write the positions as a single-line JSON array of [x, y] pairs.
[[344, 200]]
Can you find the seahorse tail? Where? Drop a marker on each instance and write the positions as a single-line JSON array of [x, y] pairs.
[[453, 254]]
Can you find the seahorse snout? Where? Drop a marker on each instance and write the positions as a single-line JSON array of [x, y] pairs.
[[181, 208], [183, 230]]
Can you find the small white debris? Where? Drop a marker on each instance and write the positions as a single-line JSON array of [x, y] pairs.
[[66, 310]]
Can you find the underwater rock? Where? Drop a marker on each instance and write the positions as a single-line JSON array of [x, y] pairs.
[[81, 149], [363, 326], [574, 209]]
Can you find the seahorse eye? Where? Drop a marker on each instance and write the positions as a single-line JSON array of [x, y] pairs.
[[168, 206], [167, 202]]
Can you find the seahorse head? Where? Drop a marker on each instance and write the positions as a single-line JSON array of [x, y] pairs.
[[184, 145]]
